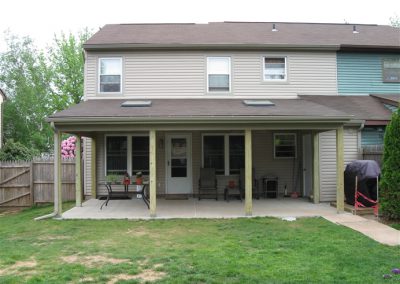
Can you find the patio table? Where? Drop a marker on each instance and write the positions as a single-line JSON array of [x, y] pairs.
[[125, 193]]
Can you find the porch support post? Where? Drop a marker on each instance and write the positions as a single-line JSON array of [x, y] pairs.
[[93, 168], [316, 181], [153, 174], [339, 170], [248, 174], [57, 174], [78, 173]]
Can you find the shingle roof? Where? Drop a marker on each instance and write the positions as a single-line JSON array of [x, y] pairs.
[[246, 33], [362, 107], [392, 99], [203, 108]]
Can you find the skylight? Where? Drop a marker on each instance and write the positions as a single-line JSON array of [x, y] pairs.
[[136, 104], [258, 103]]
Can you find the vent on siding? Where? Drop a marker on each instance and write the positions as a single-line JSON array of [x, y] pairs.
[[136, 104], [258, 103]]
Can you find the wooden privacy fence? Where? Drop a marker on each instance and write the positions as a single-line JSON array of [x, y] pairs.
[[28, 183], [373, 153]]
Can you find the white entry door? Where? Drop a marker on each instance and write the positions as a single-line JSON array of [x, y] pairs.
[[179, 164], [307, 165]]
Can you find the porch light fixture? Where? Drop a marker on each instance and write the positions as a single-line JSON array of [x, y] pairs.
[[258, 103], [136, 104]]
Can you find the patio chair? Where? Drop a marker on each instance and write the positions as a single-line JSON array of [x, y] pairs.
[[208, 183], [242, 184]]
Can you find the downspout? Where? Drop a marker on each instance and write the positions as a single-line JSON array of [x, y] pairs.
[[360, 150], [55, 213]]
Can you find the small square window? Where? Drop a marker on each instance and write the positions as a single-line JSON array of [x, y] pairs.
[[285, 145], [110, 75], [391, 70], [275, 69], [218, 74]]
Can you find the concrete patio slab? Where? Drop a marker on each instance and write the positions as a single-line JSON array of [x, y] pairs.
[[193, 208]]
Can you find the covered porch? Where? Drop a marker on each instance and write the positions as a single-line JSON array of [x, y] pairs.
[[161, 121]]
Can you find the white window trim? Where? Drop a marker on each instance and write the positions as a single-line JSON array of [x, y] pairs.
[[99, 73], [129, 149], [230, 75], [226, 148], [275, 80], [295, 144]]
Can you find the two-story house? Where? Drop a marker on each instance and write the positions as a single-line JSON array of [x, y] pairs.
[[170, 99]]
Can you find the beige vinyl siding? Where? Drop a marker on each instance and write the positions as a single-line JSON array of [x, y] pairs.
[[87, 173], [183, 74], [327, 142]]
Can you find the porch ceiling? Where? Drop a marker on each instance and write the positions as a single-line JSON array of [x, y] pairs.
[[98, 114]]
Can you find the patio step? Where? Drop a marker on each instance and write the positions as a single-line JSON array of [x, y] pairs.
[[352, 210]]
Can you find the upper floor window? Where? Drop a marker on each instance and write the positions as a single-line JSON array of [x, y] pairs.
[[285, 145], [110, 75], [218, 74], [275, 69], [391, 70]]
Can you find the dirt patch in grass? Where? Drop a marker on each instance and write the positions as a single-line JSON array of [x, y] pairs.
[[93, 260], [20, 268], [147, 275], [9, 211], [54, 238], [137, 232], [86, 279]]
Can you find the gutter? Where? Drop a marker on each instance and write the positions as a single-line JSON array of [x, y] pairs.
[[200, 46], [199, 119]]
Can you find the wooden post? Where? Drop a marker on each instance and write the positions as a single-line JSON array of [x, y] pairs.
[[78, 173], [93, 168], [339, 170], [153, 174], [316, 181], [248, 174], [31, 184], [57, 174]]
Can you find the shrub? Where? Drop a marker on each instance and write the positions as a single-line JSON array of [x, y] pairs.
[[390, 180], [15, 151]]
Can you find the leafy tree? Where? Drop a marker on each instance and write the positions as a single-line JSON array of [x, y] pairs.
[[67, 61], [27, 81], [390, 180], [395, 21], [15, 151]]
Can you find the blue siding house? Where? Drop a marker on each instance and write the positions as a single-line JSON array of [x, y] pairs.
[[363, 73]]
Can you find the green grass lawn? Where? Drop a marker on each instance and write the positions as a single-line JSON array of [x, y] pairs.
[[258, 250]]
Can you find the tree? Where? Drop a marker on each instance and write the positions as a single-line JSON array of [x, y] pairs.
[[390, 180], [15, 151], [67, 61], [27, 80], [395, 21]]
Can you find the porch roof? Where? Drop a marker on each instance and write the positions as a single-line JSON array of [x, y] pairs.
[[362, 107], [110, 110]]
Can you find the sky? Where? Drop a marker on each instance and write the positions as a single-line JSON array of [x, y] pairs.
[[42, 19]]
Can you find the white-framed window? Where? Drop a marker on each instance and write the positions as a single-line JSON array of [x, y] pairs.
[[126, 153], [391, 70], [224, 152], [285, 145], [275, 68], [110, 75], [219, 74]]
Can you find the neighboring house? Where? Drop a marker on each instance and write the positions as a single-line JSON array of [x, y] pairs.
[[2, 99], [168, 99]]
